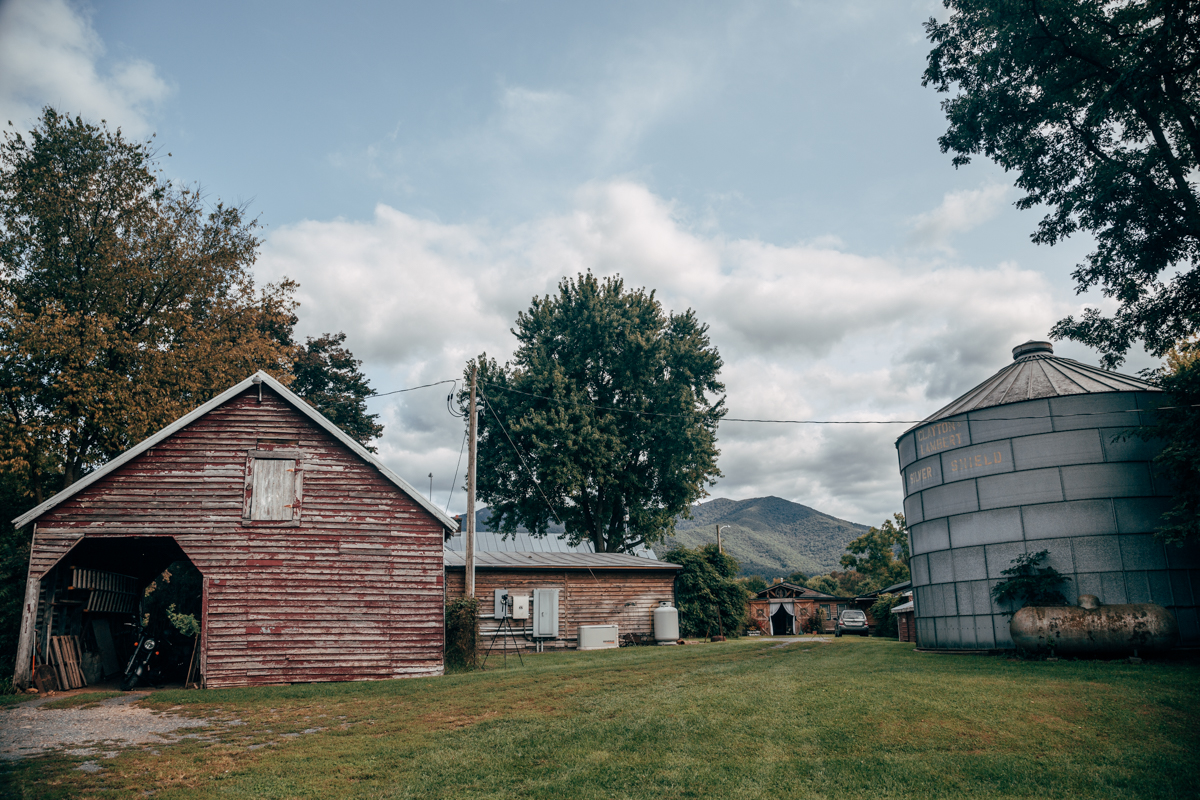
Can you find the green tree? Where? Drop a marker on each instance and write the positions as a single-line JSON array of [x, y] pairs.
[[1096, 106], [824, 583], [708, 594], [603, 419], [1178, 426], [122, 301], [874, 554], [797, 578], [754, 583], [327, 376]]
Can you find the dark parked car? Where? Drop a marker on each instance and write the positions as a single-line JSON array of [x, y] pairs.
[[852, 621]]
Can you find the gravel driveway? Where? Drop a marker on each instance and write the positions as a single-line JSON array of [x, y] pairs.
[[102, 730]]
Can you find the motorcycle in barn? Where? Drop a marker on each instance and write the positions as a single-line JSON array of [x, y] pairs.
[[138, 668]]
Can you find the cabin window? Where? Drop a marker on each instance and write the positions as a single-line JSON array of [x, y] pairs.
[[273, 486], [825, 611]]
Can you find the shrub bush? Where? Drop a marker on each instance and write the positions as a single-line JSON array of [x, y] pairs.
[[1030, 585], [886, 623], [462, 633], [708, 595]]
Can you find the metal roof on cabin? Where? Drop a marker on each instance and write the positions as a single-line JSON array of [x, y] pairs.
[[490, 542], [1037, 373], [555, 560]]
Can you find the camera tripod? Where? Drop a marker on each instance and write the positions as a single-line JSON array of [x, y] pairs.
[[504, 632]]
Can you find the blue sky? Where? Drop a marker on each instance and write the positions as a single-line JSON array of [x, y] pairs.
[[424, 169]]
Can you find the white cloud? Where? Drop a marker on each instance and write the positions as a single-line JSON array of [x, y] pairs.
[[50, 55], [959, 212], [806, 331]]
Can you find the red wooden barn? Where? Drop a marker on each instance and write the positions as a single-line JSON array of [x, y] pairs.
[[318, 563]]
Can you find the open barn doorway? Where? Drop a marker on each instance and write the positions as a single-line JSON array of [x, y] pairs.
[[108, 592], [781, 621]]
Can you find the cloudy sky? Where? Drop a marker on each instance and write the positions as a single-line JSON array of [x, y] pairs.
[[425, 169]]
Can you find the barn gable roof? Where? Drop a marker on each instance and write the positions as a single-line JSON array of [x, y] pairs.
[[181, 423]]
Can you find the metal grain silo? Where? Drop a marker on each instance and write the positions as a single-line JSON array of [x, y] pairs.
[[1034, 458]]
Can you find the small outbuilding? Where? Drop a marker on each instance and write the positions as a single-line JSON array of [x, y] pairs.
[[568, 587], [783, 609], [317, 562]]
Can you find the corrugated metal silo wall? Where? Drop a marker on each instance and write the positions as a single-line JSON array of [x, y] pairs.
[[1057, 474]]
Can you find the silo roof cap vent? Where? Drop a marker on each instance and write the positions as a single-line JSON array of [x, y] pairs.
[[1031, 348]]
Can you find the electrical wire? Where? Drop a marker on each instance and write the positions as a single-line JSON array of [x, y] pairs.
[[456, 466], [824, 421], [385, 394], [521, 456], [750, 419]]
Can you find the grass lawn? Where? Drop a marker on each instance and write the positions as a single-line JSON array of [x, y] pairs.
[[845, 719]]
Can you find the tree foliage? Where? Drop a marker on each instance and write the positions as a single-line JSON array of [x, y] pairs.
[[708, 595], [327, 376], [874, 554], [1096, 106], [122, 301], [754, 583], [849, 583], [886, 623], [604, 419], [1178, 427]]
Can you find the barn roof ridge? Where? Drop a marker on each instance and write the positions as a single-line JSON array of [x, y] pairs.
[[230, 393]]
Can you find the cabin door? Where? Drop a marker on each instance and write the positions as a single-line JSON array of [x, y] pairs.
[[781, 622]]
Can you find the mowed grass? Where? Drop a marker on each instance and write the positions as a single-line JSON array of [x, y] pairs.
[[743, 719]]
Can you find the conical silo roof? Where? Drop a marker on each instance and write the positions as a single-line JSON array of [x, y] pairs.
[[1037, 373]]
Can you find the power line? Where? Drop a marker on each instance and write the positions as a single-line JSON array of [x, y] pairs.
[[385, 394], [456, 466], [821, 421], [521, 456], [765, 420]]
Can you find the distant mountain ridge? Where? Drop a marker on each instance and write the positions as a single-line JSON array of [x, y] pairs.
[[769, 536]]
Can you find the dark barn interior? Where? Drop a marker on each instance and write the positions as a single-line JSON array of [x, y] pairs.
[[102, 593]]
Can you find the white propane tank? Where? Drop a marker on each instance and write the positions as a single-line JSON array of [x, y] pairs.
[[666, 623], [597, 637]]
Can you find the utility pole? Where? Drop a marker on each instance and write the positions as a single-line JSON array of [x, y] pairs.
[[720, 549], [469, 534]]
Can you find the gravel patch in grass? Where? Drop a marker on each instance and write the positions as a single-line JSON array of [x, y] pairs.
[[31, 729]]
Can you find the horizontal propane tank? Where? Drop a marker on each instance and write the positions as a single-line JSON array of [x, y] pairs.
[[1091, 629]]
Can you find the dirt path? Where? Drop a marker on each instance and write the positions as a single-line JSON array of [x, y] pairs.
[[102, 730]]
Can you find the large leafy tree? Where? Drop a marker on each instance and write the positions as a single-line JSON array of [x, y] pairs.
[[123, 301], [605, 419], [1096, 106], [328, 377], [880, 555]]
